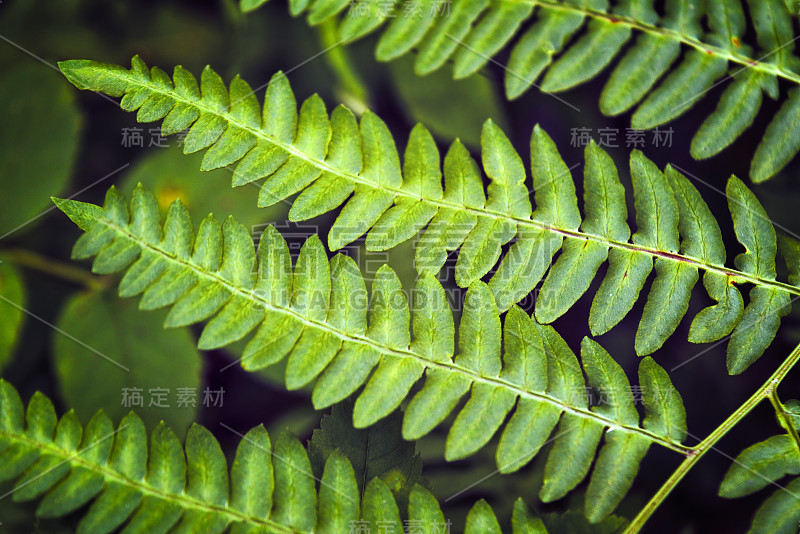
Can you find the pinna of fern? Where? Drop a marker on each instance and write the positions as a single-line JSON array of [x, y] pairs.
[[319, 315], [166, 488], [673, 62], [333, 160], [765, 464]]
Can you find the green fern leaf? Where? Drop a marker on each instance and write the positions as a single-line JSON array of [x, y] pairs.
[[481, 518], [471, 32], [760, 318], [170, 488], [765, 464], [779, 513], [759, 465], [392, 205], [345, 347]]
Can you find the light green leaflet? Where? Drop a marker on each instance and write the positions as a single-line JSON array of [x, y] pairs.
[[143, 489], [334, 161], [651, 74], [356, 341], [766, 465]]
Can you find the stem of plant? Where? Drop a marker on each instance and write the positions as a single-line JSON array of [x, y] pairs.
[[784, 419], [65, 271], [353, 91], [764, 392]]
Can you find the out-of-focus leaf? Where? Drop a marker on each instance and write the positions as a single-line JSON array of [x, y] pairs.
[[39, 116], [113, 328], [11, 317], [170, 174], [376, 451], [449, 108], [299, 422]]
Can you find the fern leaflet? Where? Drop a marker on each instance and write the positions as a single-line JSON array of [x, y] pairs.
[[319, 315], [587, 36], [271, 487], [763, 465], [333, 160]]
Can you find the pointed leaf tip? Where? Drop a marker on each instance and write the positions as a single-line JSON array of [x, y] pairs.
[[81, 213]]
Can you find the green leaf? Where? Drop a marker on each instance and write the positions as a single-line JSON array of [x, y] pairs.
[[379, 508], [295, 501], [13, 290], [702, 238], [637, 73], [617, 463], [378, 451], [571, 456], [614, 471], [778, 147], [523, 520], [604, 199], [735, 113], [100, 362], [680, 90], [252, 472], [761, 317], [338, 495], [664, 411], [446, 34], [727, 22], [779, 513], [481, 518], [438, 101], [42, 118], [587, 57], [657, 219], [476, 32], [404, 32], [772, 22], [493, 31], [760, 465]]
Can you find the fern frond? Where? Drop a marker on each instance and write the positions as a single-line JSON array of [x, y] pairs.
[[271, 487], [333, 160], [766, 464], [571, 42], [319, 314]]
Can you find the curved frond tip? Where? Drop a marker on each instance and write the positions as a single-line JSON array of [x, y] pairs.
[[334, 160], [666, 64], [321, 316], [169, 487]]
